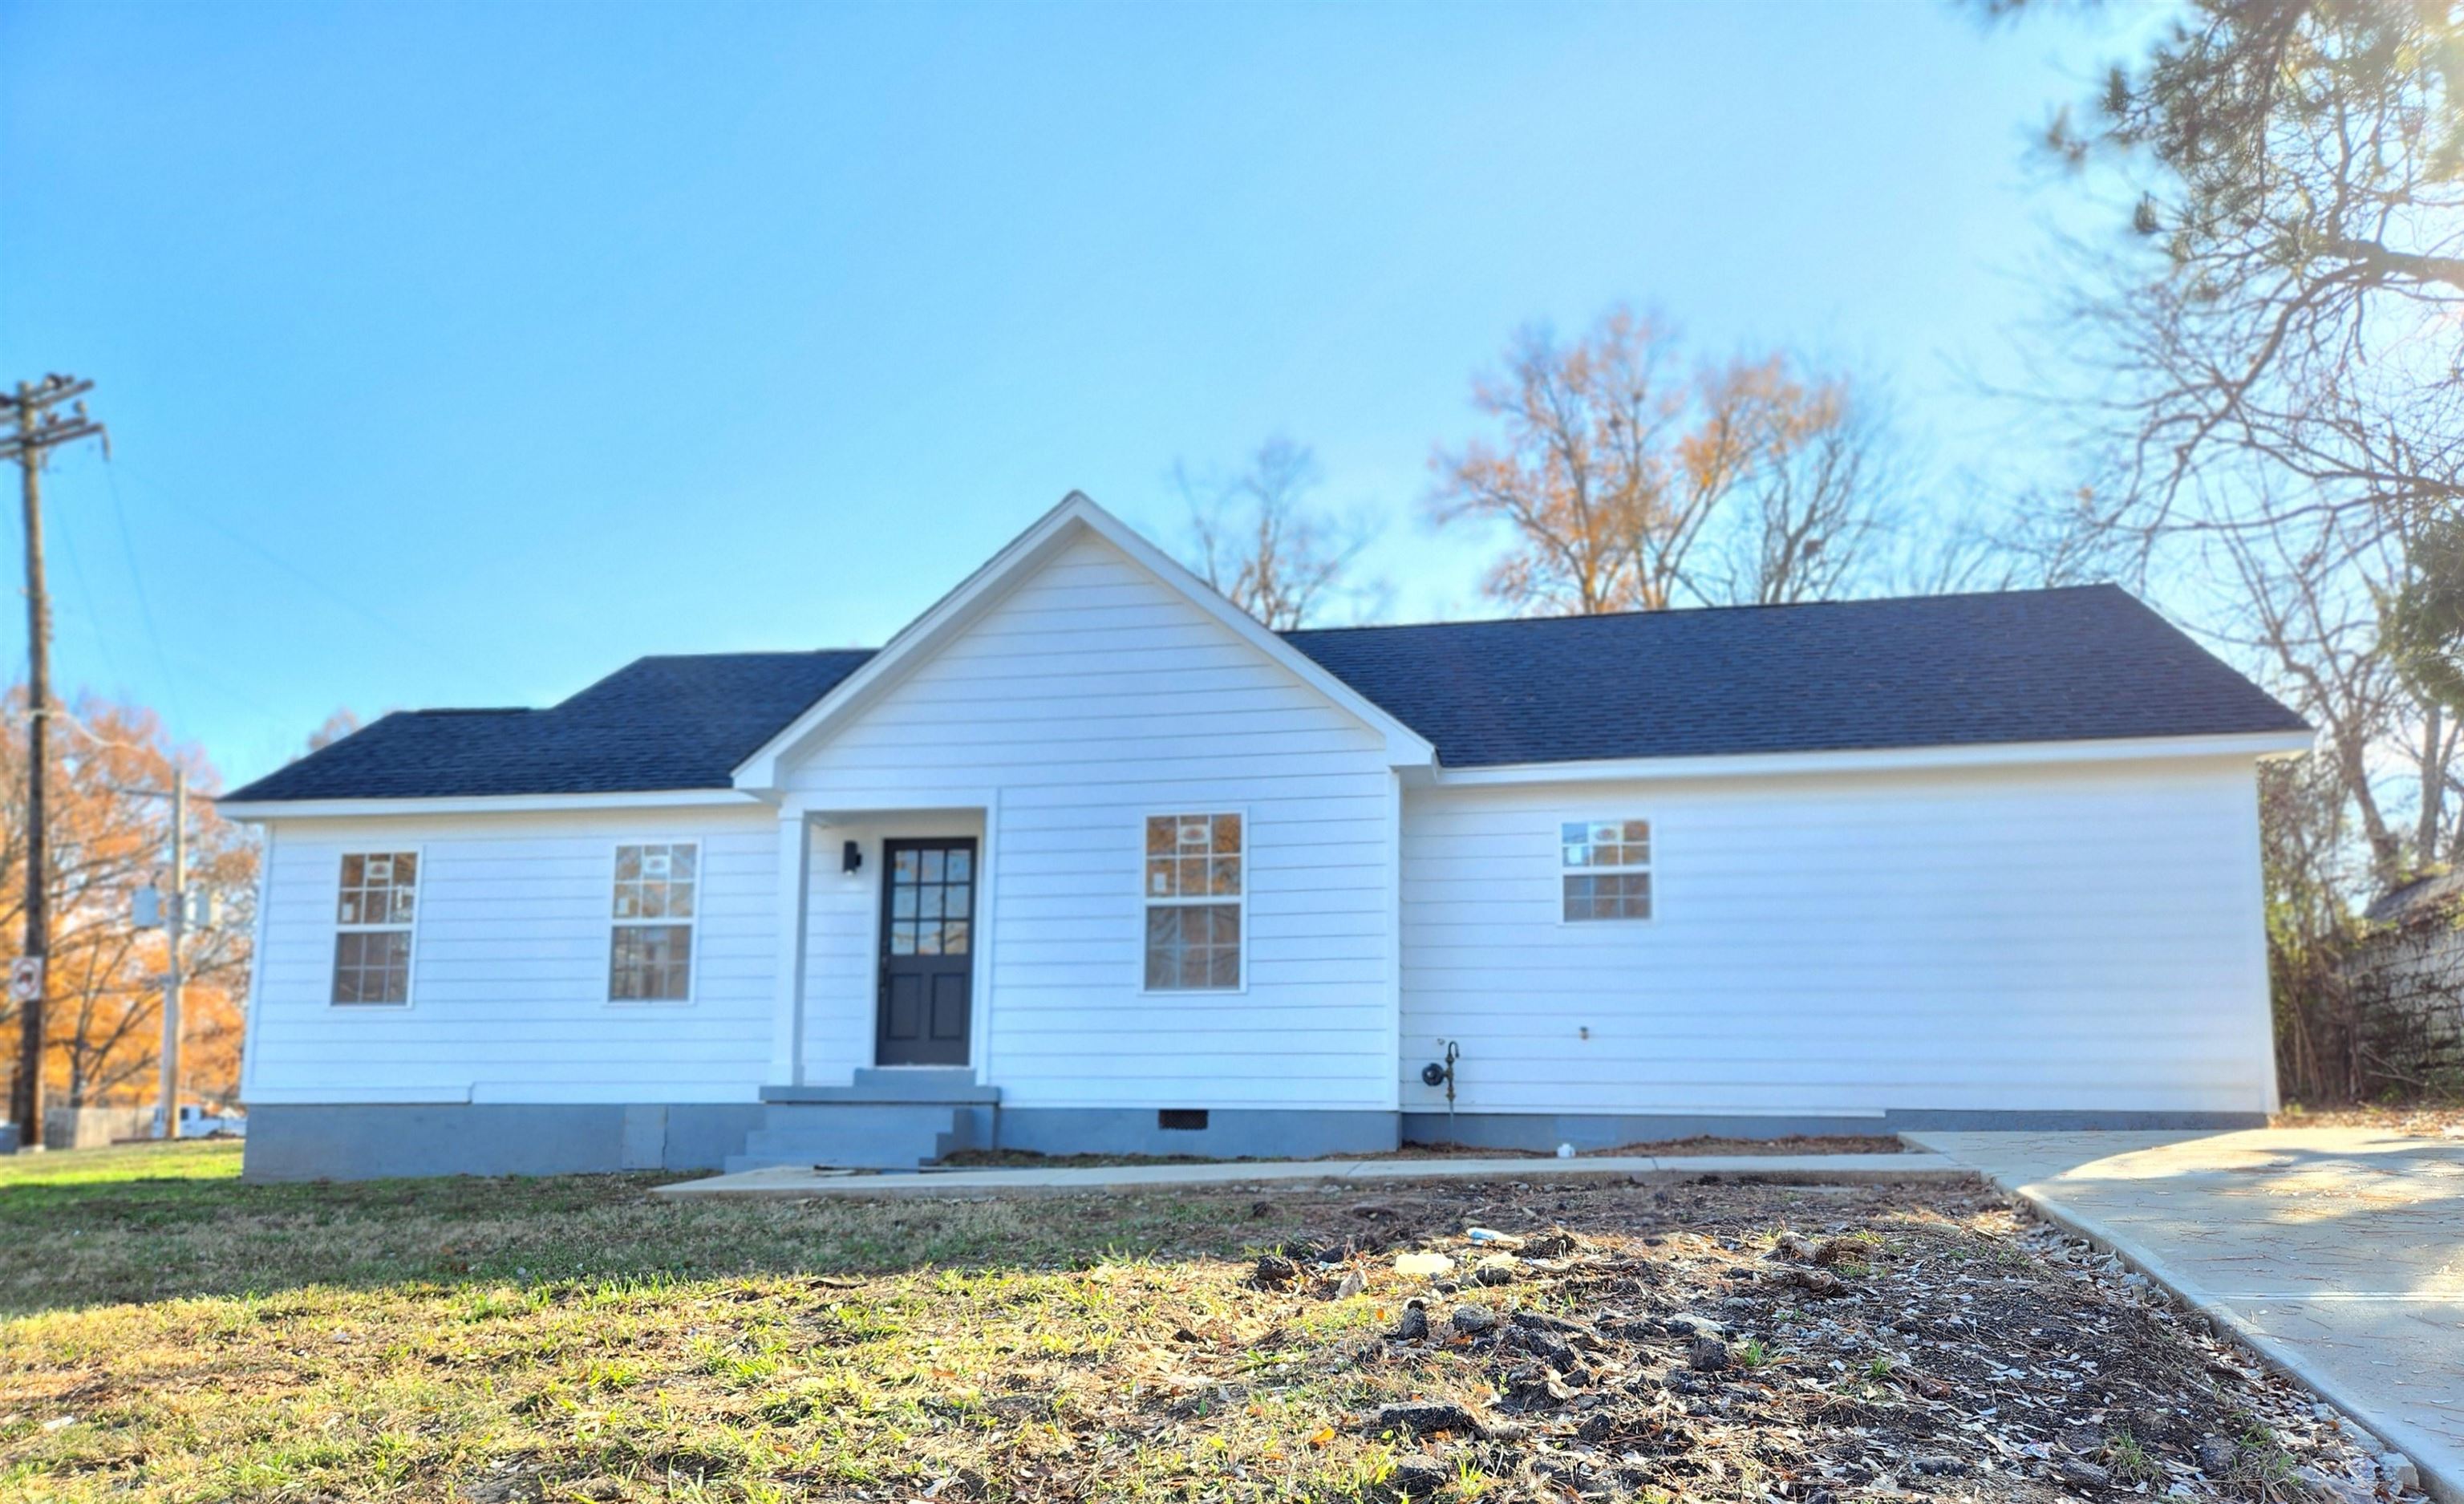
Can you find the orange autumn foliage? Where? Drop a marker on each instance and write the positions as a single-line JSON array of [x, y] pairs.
[[1634, 480], [104, 1015]]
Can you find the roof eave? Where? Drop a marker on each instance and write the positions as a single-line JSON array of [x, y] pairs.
[[259, 811], [1993, 753]]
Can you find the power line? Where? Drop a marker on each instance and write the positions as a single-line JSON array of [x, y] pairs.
[[324, 587], [94, 617], [63, 714], [144, 607]]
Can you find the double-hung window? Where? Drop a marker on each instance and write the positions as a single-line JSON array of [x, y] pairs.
[[372, 919], [1606, 869], [649, 953], [1194, 883]]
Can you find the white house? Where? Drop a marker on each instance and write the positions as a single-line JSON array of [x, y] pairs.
[[1085, 859]]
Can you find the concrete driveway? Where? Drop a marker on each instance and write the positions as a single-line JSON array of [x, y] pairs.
[[2338, 1253]]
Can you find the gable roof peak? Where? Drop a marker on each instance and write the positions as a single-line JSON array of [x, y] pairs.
[[1074, 515]]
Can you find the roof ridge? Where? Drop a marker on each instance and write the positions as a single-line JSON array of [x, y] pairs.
[[1736, 607], [747, 652]]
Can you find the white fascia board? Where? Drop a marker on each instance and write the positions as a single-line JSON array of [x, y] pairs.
[[982, 589], [259, 810], [1763, 765]]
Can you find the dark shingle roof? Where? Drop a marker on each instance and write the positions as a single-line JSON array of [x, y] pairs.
[[2085, 664], [2089, 663], [657, 724]]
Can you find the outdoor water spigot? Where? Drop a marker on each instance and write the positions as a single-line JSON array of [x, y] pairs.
[[1436, 1074]]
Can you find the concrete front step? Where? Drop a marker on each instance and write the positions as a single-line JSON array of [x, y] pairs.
[[895, 1084], [859, 1135]]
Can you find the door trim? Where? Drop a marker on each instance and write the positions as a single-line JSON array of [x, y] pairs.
[[974, 971]]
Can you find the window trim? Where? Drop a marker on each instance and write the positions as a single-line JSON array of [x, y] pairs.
[[1561, 872], [691, 921], [1148, 901], [418, 912]]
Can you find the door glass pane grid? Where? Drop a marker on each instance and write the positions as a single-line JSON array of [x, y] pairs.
[[932, 897]]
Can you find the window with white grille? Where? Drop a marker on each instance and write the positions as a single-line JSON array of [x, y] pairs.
[[1196, 897], [649, 953], [373, 912]]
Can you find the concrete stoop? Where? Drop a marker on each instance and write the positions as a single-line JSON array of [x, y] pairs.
[[887, 1120]]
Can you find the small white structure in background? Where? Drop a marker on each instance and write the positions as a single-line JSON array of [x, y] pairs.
[[197, 1121]]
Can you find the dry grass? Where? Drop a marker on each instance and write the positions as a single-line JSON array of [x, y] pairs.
[[176, 1336]]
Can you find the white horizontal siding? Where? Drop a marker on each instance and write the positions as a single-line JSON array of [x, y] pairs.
[[1089, 697], [508, 964], [2030, 938]]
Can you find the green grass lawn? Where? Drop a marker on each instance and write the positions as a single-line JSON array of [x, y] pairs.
[[173, 1333]]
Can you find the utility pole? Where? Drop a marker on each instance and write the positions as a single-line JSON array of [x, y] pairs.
[[40, 428], [174, 912], [175, 929]]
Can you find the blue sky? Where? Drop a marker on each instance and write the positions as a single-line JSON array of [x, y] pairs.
[[457, 355]]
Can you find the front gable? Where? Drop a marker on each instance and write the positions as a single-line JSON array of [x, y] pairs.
[[1082, 601], [1054, 712]]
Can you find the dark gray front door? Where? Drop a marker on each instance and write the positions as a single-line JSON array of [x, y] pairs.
[[927, 950]]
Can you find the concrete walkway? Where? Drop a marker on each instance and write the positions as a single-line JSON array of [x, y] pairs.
[[2338, 1254], [797, 1183]]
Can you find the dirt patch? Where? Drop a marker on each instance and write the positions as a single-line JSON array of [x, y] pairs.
[[1903, 1343], [1699, 1144], [1702, 1145]]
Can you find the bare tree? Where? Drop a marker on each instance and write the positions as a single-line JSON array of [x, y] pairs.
[[335, 727], [1579, 465], [1632, 481], [2275, 364], [2301, 200], [1817, 505], [1257, 537]]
